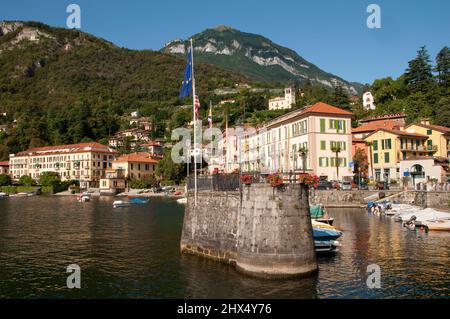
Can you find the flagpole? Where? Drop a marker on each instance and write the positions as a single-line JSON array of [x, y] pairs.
[[195, 125]]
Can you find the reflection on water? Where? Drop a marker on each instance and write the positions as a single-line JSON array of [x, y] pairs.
[[134, 253]]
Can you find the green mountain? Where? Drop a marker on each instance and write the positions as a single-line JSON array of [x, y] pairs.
[[256, 57], [64, 86]]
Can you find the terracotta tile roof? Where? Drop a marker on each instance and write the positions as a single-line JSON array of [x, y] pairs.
[[384, 117], [72, 148], [439, 128], [4, 163], [141, 157], [373, 126], [402, 133], [318, 108], [322, 107]]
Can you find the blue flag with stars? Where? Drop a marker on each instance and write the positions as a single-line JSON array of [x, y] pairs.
[[186, 85]]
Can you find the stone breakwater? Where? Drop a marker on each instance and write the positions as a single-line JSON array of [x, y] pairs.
[[263, 231]]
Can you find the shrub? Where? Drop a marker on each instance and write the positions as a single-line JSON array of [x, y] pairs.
[[5, 179], [26, 180]]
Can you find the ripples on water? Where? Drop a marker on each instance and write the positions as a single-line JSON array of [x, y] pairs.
[[134, 253]]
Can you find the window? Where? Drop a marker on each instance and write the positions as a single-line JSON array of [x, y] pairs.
[[322, 125], [323, 145], [429, 142], [429, 132], [375, 158], [375, 145], [386, 157]]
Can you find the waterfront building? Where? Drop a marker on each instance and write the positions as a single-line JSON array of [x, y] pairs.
[[438, 137], [4, 167], [114, 182], [85, 162], [389, 147], [285, 102], [422, 169], [398, 117], [368, 101], [276, 145], [136, 165]]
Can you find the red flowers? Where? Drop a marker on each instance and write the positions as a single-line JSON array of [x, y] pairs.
[[275, 180], [309, 179], [246, 179]]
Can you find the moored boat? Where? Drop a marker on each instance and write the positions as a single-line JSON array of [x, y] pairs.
[[139, 200], [120, 203], [182, 200], [319, 214], [438, 224]]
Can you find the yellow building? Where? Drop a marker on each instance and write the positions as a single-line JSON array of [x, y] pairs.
[[136, 165], [389, 147], [438, 137]]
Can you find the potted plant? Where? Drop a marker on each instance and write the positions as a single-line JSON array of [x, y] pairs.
[[275, 180], [246, 179], [309, 179]]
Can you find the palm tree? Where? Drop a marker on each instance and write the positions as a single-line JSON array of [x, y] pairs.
[[369, 145], [337, 149], [303, 152]]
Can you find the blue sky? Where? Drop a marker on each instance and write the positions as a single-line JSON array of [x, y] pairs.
[[329, 33]]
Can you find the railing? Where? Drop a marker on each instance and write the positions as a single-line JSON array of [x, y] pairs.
[[229, 182], [428, 148]]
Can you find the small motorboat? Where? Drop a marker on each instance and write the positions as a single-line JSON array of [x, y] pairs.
[[324, 232], [85, 197], [139, 201], [182, 201], [120, 204], [438, 224], [3, 195], [319, 214]]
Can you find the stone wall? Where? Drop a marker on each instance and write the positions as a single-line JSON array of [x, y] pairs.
[[335, 198], [265, 232]]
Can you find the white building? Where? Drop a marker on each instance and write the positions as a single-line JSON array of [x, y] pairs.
[[275, 146], [368, 101], [422, 169], [282, 103]]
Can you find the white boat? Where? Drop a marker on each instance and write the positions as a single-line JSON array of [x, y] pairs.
[[120, 203], [182, 201], [438, 224]]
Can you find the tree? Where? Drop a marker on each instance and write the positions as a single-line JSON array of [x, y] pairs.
[[26, 180], [166, 169], [443, 111], [361, 164], [370, 146], [418, 76], [5, 179], [340, 97], [443, 67], [337, 149], [49, 179]]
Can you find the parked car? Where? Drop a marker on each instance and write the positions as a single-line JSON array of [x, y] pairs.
[[335, 184], [324, 183], [363, 186], [382, 185], [346, 186]]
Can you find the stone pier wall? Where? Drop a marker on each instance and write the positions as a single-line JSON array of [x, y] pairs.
[[355, 198], [264, 231]]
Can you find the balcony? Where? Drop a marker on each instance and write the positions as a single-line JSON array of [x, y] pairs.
[[427, 149]]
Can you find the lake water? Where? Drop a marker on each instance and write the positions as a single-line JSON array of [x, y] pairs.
[[134, 253]]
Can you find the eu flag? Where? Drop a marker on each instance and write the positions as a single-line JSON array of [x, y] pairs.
[[186, 86]]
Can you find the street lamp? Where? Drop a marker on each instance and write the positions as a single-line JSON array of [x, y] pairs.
[[303, 152]]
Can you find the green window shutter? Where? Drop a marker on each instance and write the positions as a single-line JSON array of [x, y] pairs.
[[375, 145], [389, 143], [429, 142], [344, 125], [429, 132], [323, 145], [330, 123], [322, 125], [382, 144], [375, 158], [386, 157], [336, 124]]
